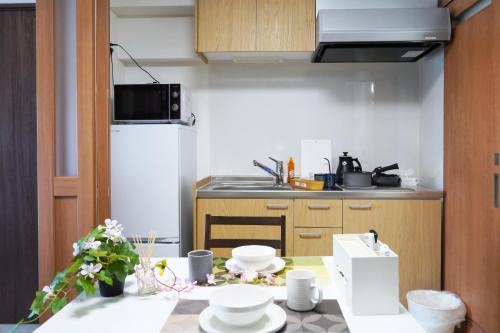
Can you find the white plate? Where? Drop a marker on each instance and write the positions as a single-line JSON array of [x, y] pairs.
[[272, 321], [276, 265]]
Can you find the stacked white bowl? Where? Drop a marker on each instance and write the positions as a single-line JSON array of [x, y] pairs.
[[240, 304], [253, 257]]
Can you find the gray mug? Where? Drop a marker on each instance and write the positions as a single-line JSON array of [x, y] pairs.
[[200, 264]]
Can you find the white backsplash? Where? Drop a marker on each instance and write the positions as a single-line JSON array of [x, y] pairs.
[[370, 110]]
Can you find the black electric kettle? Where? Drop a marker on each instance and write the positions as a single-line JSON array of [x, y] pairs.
[[346, 164]]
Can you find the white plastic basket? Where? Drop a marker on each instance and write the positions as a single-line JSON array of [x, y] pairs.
[[436, 311]]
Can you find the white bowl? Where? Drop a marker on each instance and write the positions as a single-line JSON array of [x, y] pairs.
[[240, 304], [255, 257]]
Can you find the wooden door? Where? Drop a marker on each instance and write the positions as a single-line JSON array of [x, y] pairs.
[[67, 204], [18, 214], [472, 138], [286, 25], [226, 25], [412, 228]]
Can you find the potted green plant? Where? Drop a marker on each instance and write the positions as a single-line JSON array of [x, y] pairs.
[[103, 256]]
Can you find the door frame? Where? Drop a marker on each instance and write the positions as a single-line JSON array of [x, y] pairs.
[[90, 188]]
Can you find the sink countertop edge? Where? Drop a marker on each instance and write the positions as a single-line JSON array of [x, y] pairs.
[[418, 193]]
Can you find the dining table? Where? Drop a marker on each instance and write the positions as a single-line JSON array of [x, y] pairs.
[[131, 312]]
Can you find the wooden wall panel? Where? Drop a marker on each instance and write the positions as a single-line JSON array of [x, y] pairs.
[[45, 100], [102, 110], [472, 127], [86, 98], [65, 211]]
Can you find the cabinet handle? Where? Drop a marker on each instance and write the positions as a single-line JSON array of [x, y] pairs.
[[496, 204], [360, 206], [309, 235], [318, 206], [276, 206]]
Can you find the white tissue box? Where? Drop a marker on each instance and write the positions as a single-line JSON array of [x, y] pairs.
[[368, 281]]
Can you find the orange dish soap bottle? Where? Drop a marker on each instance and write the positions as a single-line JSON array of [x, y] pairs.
[[291, 170]]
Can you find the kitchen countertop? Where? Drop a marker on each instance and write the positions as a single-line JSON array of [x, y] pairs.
[[208, 191], [133, 313]]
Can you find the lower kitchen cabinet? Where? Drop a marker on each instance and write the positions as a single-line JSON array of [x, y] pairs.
[[412, 228], [243, 207], [314, 241], [318, 213]]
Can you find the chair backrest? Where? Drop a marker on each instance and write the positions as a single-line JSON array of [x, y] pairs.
[[279, 244]]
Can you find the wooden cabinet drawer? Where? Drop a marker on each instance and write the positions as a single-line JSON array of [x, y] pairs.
[[314, 241], [244, 207], [318, 213]]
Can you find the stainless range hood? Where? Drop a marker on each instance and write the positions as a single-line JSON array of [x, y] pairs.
[[380, 35]]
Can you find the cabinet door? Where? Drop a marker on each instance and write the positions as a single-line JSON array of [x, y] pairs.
[[226, 25], [286, 25], [244, 207], [314, 241], [318, 213], [412, 228]]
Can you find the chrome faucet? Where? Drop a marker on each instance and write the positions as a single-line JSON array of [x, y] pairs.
[[278, 174]]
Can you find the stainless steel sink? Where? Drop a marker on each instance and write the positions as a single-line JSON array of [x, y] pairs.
[[251, 187]]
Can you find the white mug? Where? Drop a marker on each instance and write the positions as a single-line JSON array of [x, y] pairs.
[[302, 293]]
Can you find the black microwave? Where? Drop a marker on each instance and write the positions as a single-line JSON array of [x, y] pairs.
[[150, 103]]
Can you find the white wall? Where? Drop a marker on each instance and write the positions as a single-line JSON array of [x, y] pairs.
[[432, 119], [265, 110], [251, 111]]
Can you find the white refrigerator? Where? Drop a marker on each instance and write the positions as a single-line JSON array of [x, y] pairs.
[[153, 168]]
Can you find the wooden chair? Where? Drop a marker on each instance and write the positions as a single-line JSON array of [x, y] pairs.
[[245, 221]]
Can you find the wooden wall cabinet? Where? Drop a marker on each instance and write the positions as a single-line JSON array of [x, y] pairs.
[[412, 228], [286, 25], [255, 25], [226, 25]]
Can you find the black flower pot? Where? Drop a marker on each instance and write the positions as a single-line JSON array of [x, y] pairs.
[[111, 291]]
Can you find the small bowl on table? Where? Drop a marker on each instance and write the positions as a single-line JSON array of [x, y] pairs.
[[254, 257], [240, 304]]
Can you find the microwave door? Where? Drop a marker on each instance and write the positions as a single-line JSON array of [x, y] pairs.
[[141, 103]]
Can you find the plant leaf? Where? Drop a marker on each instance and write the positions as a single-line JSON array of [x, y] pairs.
[[101, 276], [89, 258], [97, 253], [38, 302], [86, 284], [58, 304]]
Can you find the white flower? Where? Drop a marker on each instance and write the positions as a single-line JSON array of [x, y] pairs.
[[113, 230], [90, 269], [49, 292], [91, 243], [249, 276], [211, 279], [76, 249]]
